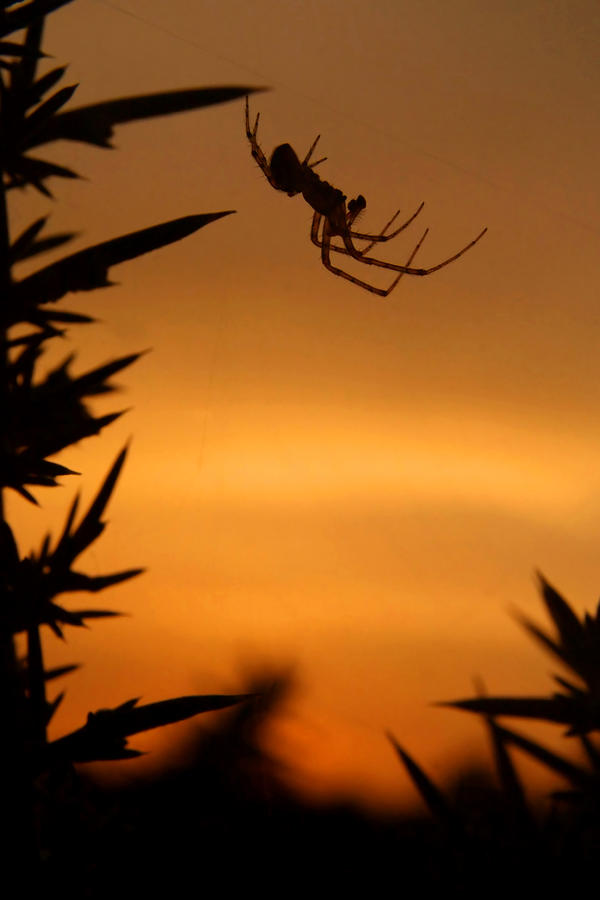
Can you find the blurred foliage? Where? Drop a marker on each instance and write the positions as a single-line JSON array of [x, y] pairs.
[[498, 828]]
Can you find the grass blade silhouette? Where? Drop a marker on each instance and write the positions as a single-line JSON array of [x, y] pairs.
[[105, 732], [434, 799]]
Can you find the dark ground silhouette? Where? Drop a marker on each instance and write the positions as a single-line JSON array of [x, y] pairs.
[[223, 820]]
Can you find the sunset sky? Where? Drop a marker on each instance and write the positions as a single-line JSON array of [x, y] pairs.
[[356, 489]]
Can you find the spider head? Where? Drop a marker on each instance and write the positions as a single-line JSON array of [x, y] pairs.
[[355, 207], [286, 170]]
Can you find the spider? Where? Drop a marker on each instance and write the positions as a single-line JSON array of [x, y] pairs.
[[334, 215]]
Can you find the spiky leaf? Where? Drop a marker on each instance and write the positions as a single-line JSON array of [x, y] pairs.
[[88, 269], [434, 799], [581, 714], [28, 244], [94, 124], [578, 776], [26, 14], [104, 736]]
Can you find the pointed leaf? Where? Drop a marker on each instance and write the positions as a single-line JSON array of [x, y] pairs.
[[59, 671], [62, 315], [575, 774], [43, 554], [31, 338], [509, 779], [90, 526], [39, 474], [542, 637], [26, 238], [9, 552], [88, 269], [103, 421], [92, 382], [51, 614], [128, 704], [78, 747], [94, 124], [52, 469], [9, 48], [21, 368], [133, 720], [76, 581], [592, 752], [67, 433], [83, 614], [23, 74], [53, 706], [27, 246], [41, 116], [556, 709], [45, 83], [569, 686], [105, 732], [104, 494], [29, 170], [20, 469], [47, 613], [24, 493], [26, 14], [66, 533], [434, 799], [568, 625]]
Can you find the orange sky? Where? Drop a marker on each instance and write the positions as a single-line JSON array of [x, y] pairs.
[[356, 487]]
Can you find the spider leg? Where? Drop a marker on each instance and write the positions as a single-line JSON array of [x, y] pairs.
[[351, 250], [256, 150], [325, 245], [373, 238], [305, 161], [314, 230], [382, 236]]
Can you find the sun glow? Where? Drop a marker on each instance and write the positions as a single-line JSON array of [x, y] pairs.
[[461, 461]]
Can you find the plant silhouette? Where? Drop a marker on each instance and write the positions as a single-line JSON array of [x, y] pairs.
[[43, 415], [499, 829]]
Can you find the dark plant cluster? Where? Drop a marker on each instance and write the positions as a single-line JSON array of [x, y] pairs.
[[551, 848], [43, 414]]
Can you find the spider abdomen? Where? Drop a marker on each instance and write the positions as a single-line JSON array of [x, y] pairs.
[[286, 170]]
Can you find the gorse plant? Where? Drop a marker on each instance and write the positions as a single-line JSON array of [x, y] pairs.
[[44, 414], [505, 825], [577, 646]]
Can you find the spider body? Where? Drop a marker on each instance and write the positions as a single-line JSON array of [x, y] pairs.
[[294, 177], [334, 214]]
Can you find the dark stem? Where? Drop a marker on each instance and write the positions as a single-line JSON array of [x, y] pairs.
[[37, 687], [20, 838]]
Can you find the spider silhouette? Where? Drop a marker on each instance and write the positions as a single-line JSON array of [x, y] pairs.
[[334, 215]]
